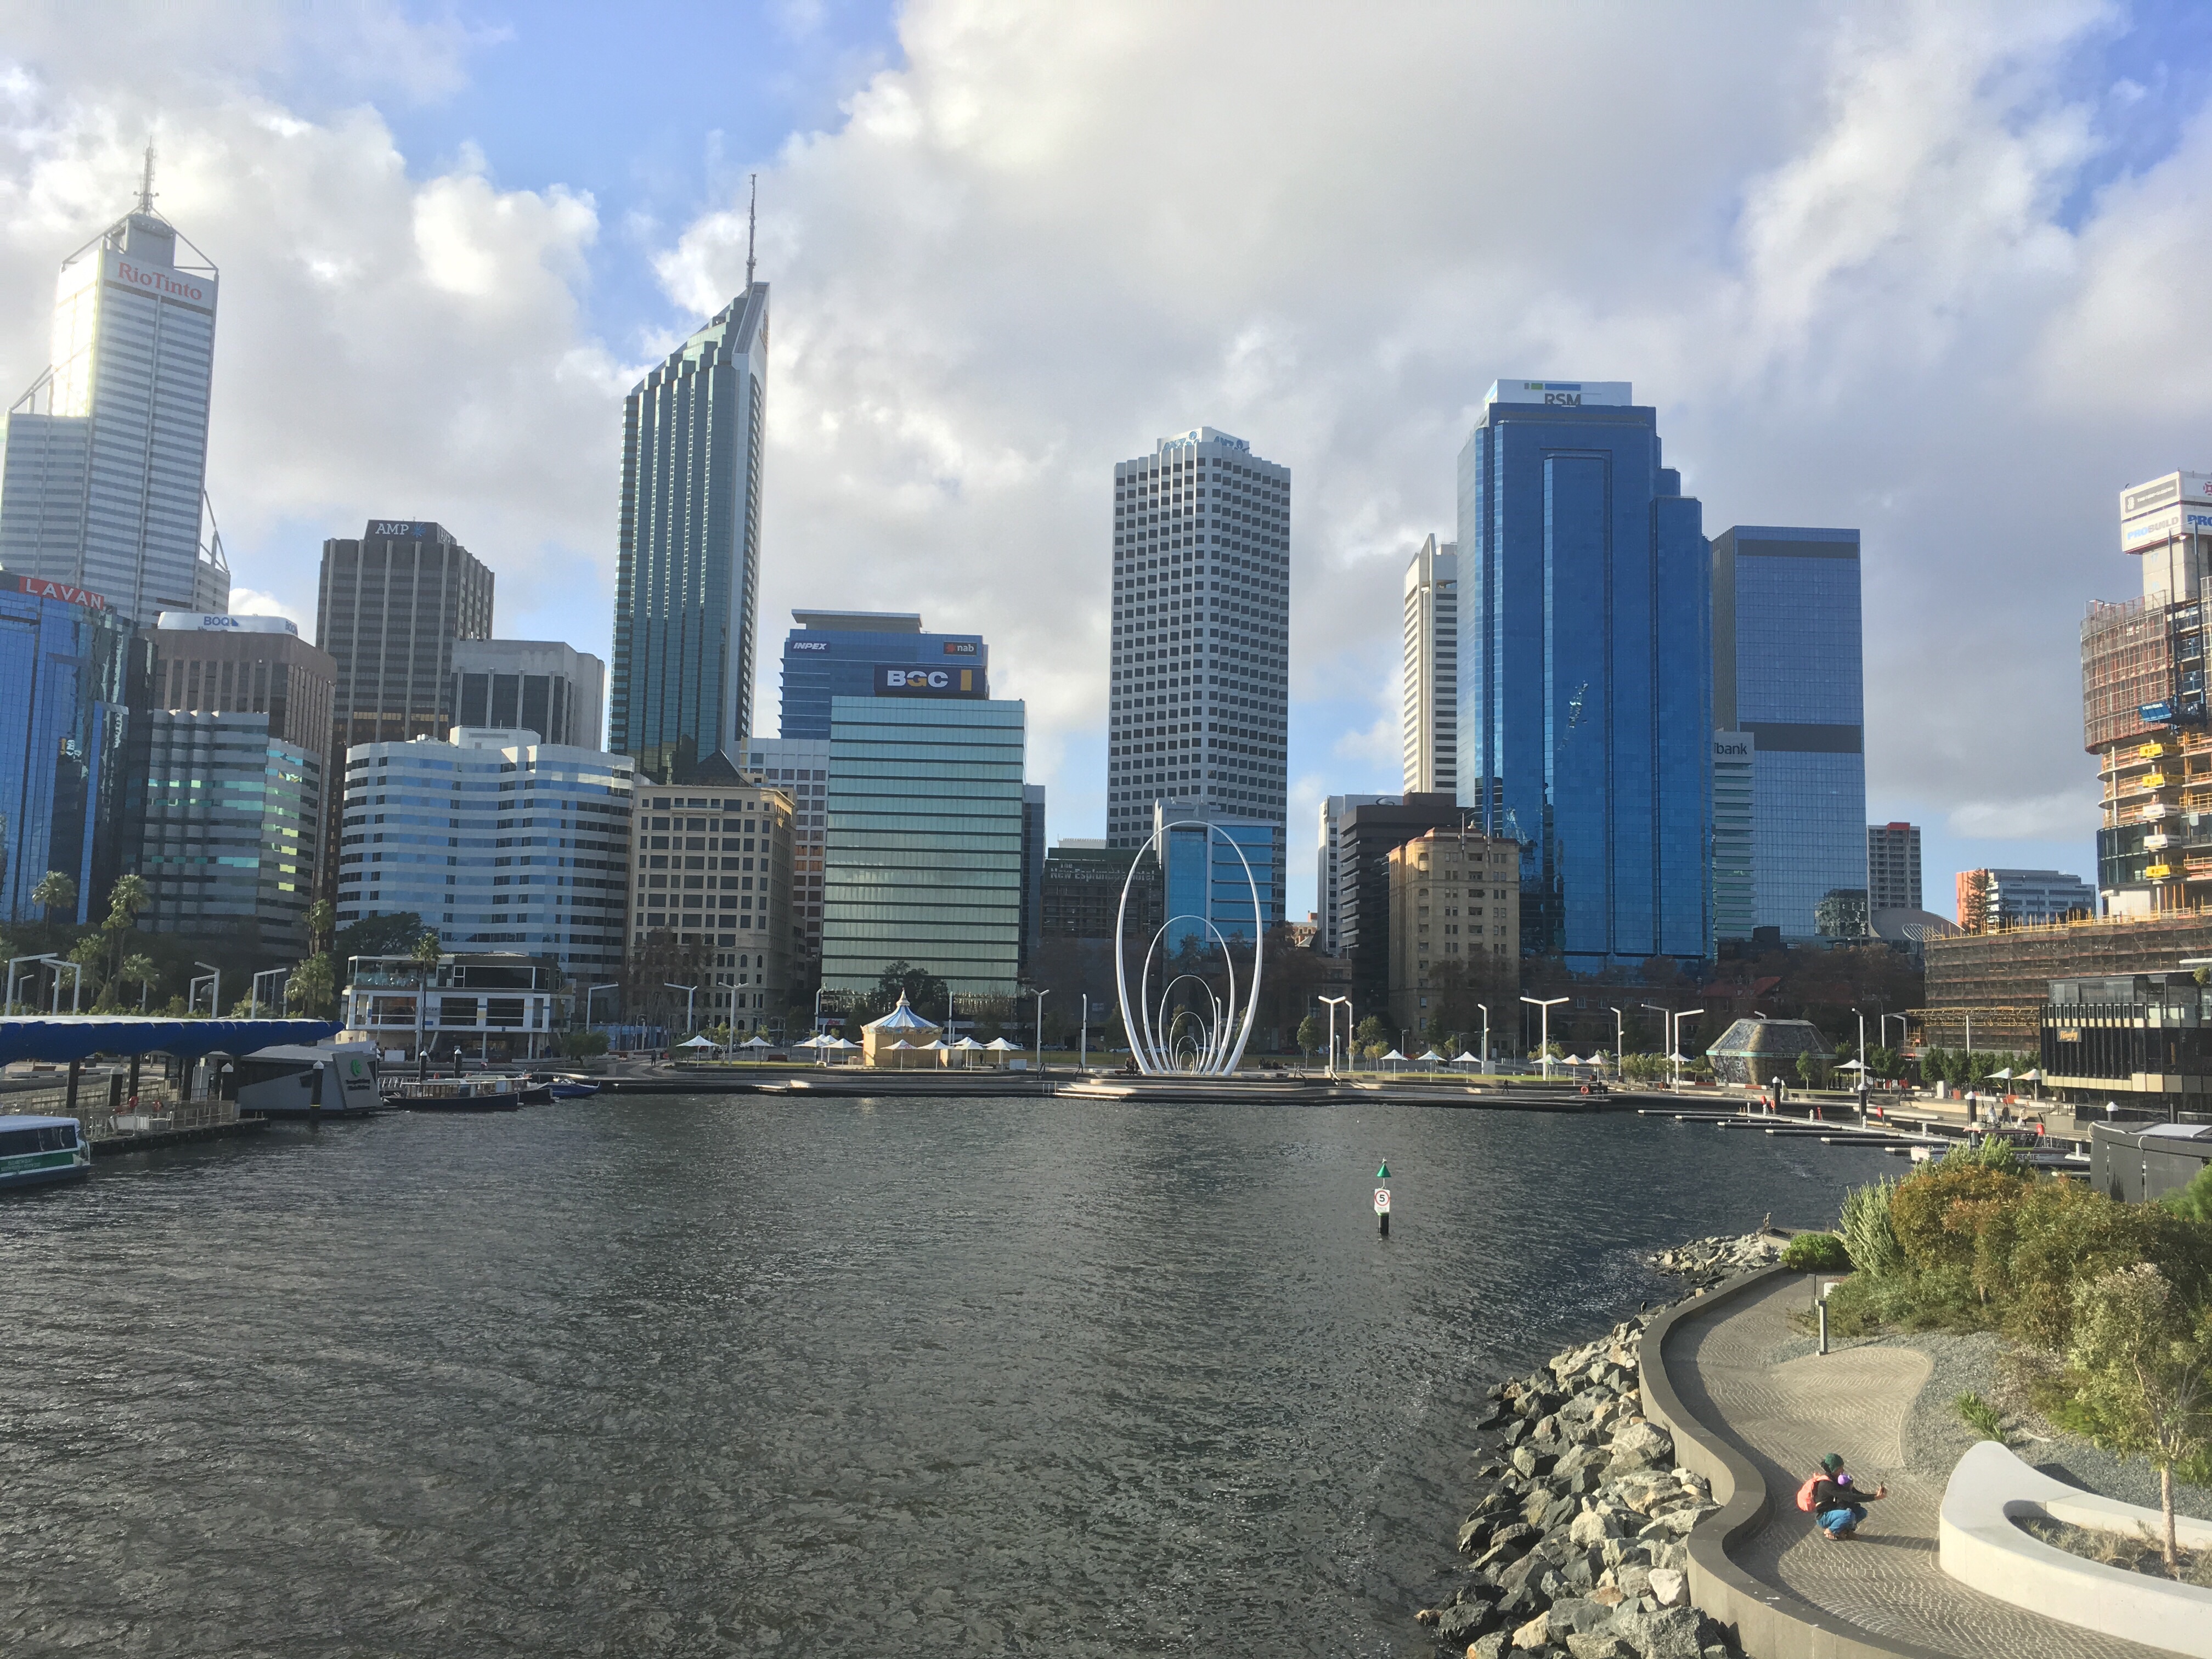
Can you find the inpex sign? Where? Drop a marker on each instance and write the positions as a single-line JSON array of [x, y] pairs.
[[806, 645], [895, 682]]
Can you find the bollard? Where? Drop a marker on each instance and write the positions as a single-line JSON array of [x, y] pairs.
[[315, 1099], [1824, 1320]]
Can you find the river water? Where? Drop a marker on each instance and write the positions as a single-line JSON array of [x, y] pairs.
[[743, 1376]]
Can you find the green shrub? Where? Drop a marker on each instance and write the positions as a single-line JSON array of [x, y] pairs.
[[1983, 1418], [1936, 1213], [2194, 1201], [1810, 1253], [581, 1045], [1869, 1238]]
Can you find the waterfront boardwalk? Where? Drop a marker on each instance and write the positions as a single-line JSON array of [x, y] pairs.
[[1745, 1374]]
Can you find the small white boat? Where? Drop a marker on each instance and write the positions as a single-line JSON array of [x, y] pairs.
[[38, 1152]]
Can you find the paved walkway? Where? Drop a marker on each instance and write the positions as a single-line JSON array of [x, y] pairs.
[[1854, 1401]]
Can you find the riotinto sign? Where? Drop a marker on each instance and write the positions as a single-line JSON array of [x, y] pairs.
[[893, 681]]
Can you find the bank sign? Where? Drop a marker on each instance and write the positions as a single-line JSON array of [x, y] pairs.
[[902, 681]]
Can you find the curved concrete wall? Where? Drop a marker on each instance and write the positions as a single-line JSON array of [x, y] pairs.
[[1980, 1546], [1770, 1622]]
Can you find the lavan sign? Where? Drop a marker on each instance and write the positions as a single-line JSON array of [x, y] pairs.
[[896, 682], [40, 588]]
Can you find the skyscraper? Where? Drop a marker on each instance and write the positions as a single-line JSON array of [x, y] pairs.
[[687, 570], [1892, 866], [1430, 715], [62, 681], [1201, 636], [836, 653], [543, 686], [1585, 677], [388, 609], [1328, 898], [1736, 836], [1787, 672], [103, 477]]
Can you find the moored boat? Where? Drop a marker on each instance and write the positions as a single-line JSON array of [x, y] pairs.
[[38, 1152], [565, 1086], [488, 1091], [279, 1081]]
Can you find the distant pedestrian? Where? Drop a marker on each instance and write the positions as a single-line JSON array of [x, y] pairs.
[[1838, 1504]]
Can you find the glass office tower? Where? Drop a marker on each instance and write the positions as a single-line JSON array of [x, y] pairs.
[[687, 562], [1787, 673], [62, 710], [836, 653], [1211, 858], [924, 854], [1585, 680]]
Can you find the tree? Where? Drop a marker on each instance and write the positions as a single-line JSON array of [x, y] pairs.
[[56, 892], [923, 989], [322, 916], [139, 970], [313, 989], [1313, 1034], [2143, 1364], [1810, 1069], [378, 936]]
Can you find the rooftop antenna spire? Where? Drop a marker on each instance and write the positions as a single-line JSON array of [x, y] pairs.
[[752, 214], [146, 184]]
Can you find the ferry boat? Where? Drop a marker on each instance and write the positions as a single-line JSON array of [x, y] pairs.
[[564, 1087], [279, 1081], [38, 1152], [487, 1091]]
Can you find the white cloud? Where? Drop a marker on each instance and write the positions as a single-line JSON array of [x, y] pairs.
[[1830, 243], [249, 602]]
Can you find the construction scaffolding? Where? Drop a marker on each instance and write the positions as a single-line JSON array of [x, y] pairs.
[[2127, 663], [2002, 979]]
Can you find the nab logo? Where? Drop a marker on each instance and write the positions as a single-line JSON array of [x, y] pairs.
[[959, 647]]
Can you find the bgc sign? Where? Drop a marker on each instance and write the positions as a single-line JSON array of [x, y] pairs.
[[903, 682]]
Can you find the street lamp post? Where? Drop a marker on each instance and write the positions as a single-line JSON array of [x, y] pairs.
[[1485, 1036], [1673, 1022], [1041, 996], [214, 976], [14, 978], [1619, 1044], [1083, 1041], [1545, 1041], [691, 1001], [253, 993], [77, 986], [1861, 1018], [1333, 1003]]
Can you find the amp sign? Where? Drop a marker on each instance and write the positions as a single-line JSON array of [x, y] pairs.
[[893, 681]]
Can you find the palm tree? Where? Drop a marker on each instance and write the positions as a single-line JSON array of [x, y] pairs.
[[140, 971], [428, 949]]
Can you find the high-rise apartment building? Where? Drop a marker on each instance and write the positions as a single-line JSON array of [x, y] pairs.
[[1430, 711], [1787, 672], [61, 680], [1033, 847], [799, 769], [1328, 898], [1735, 841], [536, 685], [711, 869], [1892, 866], [1585, 675], [389, 608], [498, 842], [2143, 706], [925, 848], [1454, 923], [103, 465], [1365, 837], [687, 570], [838, 653], [1201, 635]]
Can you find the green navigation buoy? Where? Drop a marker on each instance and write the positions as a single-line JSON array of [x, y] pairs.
[[1383, 1173], [1383, 1201]]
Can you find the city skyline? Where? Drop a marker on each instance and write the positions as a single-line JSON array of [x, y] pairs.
[[486, 302]]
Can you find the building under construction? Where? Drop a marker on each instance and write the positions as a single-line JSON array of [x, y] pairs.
[[2000, 981], [2143, 707]]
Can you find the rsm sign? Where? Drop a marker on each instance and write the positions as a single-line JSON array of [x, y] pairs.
[[900, 682]]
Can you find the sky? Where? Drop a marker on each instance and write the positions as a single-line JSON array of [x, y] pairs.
[[1926, 271]]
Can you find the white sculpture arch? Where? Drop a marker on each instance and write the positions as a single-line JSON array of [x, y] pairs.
[[1217, 1048]]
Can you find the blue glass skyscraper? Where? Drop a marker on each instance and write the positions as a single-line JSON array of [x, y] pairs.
[[1586, 723], [836, 653], [1788, 670], [62, 715]]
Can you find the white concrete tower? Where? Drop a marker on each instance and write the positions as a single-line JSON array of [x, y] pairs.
[[1431, 713], [104, 472], [1201, 636]]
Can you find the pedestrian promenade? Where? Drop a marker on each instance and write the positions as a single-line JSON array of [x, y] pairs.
[[1730, 1373]]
